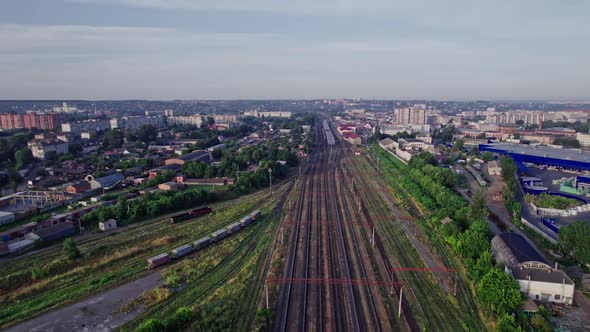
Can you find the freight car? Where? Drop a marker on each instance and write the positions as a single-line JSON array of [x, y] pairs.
[[234, 228], [182, 251], [157, 261], [190, 215], [19, 231], [246, 221], [219, 235], [201, 243], [255, 214]]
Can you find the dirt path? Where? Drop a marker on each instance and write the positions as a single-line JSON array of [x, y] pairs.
[[97, 313]]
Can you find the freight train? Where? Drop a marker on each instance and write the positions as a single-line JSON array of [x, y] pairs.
[[190, 215], [202, 243]]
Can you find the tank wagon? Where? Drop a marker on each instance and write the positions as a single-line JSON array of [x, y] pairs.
[[204, 242]]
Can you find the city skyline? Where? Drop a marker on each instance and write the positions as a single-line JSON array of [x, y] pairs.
[[180, 49]]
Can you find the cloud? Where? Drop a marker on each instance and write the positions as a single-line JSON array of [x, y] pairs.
[[499, 19], [82, 39]]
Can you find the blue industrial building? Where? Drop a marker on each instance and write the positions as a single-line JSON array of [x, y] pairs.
[[541, 155]]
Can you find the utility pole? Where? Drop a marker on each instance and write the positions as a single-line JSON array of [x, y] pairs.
[[270, 179], [266, 291], [373, 237], [455, 288], [399, 309]]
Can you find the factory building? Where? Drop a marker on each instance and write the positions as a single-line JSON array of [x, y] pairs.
[[541, 155]]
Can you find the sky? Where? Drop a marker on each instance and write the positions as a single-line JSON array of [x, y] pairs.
[[291, 49]]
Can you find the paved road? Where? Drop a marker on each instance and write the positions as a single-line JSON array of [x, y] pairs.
[[98, 313], [499, 211]]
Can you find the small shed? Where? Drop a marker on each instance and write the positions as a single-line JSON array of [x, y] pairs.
[[107, 225]]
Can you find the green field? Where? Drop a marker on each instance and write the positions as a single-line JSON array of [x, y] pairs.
[[42, 280]]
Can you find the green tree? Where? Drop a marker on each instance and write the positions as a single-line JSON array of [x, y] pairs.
[[539, 323], [112, 139], [151, 325], [478, 206], [507, 323], [499, 292], [70, 249], [459, 143], [575, 239], [147, 133], [22, 157]]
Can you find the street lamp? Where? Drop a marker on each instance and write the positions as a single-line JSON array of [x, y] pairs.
[[270, 179]]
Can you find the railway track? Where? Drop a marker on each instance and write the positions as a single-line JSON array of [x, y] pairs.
[[323, 285]]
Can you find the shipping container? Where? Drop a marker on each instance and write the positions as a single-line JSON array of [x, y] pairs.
[[201, 243], [220, 234], [254, 215], [246, 221], [182, 250], [233, 228], [159, 260]]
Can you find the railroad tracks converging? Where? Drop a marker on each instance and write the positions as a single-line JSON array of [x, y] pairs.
[[328, 281]]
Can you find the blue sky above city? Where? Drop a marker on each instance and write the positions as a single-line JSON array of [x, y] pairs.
[[232, 49]]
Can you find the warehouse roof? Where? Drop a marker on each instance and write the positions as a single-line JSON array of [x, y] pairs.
[[58, 228], [519, 249], [542, 151], [195, 155], [543, 275]]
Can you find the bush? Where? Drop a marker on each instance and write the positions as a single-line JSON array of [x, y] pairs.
[[71, 251], [151, 325]]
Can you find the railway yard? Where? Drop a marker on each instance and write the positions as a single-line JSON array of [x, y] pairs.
[[336, 249], [349, 258]]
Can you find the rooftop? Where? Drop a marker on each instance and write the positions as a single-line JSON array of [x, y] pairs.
[[543, 275], [58, 228], [519, 247], [542, 151], [193, 155]]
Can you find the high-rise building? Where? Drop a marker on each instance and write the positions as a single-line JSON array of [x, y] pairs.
[[411, 115], [29, 120]]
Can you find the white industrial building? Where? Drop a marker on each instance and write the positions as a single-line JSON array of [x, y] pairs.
[[535, 277], [107, 225]]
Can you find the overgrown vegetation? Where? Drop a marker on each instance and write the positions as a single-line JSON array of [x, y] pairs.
[[151, 205], [574, 239], [511, 189], [545, 200], [467, 233]]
